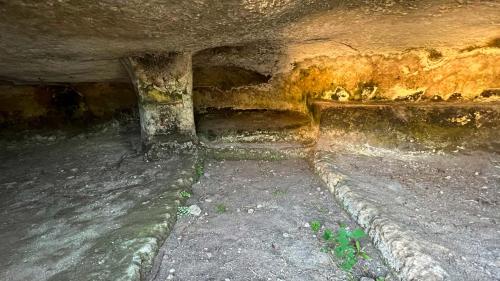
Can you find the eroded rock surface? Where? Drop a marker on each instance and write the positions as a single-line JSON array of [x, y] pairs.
[[434, 216], [86, 207], [67, 41], [164, 86]]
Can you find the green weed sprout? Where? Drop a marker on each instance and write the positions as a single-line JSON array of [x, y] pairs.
[[315, 225], [182, 211], [184, 194], [221, 208], [344, 244]]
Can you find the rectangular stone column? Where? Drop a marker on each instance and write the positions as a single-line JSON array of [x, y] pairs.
[[164, 85]]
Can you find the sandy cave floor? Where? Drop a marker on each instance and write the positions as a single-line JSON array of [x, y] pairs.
[[262, 235]]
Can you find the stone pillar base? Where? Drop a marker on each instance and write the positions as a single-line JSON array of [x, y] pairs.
[[164, 85]]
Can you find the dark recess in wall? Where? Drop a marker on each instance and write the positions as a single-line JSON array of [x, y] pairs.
[[67, 101], [55, 106], [226, 77]]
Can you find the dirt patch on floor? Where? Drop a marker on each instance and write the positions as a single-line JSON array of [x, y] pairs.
[[253, 226]]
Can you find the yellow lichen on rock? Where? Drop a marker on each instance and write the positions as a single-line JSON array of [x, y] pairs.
[[415, 75]]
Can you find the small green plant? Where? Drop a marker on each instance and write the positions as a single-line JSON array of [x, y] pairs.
[[182, 211], [315, 225], [348, 248], [343, 244], [278, 192], [380, 278], [220, 208], [184, 194], [328, 234], [199, 170]]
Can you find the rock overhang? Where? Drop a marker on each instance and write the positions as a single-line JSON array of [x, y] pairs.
[[67, 41]]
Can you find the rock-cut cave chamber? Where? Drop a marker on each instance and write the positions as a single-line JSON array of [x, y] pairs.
[[199, 140]]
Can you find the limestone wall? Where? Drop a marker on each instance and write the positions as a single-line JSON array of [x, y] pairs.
[[418, 75], [424, 75]]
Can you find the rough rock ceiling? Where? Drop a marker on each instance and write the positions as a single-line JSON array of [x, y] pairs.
[[82, 40]]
